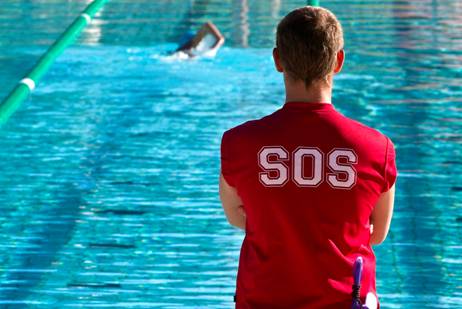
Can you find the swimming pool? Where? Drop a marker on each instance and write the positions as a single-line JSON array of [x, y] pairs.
[[109, 175]]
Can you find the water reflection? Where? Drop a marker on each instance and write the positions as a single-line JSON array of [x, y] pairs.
[[50, 231], [419, 220], [242, 28]]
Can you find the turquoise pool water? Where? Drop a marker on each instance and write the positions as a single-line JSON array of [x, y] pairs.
[[109, 174]]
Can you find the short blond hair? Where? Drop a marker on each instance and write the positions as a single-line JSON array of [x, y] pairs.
[[308, 40]]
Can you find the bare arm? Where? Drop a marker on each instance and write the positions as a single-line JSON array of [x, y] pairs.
[[216, 33], [206, 28], [232, 204], [381, 216], [195, 40]]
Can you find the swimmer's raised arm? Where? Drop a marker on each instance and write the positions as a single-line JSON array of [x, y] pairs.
[[207, 28], [216, 33]]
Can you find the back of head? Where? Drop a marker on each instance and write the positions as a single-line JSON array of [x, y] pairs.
[[308, 40]]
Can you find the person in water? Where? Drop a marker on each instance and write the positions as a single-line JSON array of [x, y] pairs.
[[205, 42], [306, 183]]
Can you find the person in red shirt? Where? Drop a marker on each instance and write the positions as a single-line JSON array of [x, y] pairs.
[[312, 189]]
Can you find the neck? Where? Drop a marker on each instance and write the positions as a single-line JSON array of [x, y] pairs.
[[318, 92]]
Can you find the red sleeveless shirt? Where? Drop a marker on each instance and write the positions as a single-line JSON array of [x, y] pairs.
[[309, 179]]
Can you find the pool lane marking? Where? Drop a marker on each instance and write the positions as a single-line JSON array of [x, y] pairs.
[[28, 82], [86, 17]]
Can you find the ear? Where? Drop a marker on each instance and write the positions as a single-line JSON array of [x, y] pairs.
[[340, 61], [277, 61]]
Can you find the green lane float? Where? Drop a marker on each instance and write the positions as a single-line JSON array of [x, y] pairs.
[[28, 83], [314, 2]]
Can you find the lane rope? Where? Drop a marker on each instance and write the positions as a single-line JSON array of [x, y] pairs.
[[28, 82], [86, 17]]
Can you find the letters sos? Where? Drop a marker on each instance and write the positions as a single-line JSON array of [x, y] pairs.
[[337, 168]]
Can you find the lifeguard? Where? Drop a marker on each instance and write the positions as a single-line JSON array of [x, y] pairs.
[[307, 183]]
